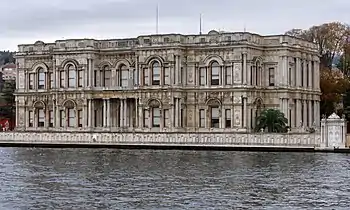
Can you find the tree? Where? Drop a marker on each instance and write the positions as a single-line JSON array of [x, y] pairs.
[[272, 119], [330, 38], [7, 99], [333, 85]]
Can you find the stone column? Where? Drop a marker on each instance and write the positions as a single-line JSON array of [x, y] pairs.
[[292, 117], [104, 113], [177, 69], [179, 113], [286, 71], [305, 74], [108, 112], [245, 72], [141, 117], [305, 113], [121, 113], [126, 116], [26, 118], [17, 113], [176, 112], [298, 73], [245, 112], [249, 117], [317, 113], [173, 112], [137, 113], [317, 75], [282, 66], [150, 118], [91, 72], [310, 72], [298, 112], [89, 113], [310, 113], [137, 70]]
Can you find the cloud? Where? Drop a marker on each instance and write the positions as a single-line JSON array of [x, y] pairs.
[[28, 21]]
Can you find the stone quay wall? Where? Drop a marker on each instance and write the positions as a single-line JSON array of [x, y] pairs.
[[167, 139]]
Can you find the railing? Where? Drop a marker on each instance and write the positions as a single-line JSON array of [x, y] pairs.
[[214, 139]]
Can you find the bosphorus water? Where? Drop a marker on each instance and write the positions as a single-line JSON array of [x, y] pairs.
[[43, 178]]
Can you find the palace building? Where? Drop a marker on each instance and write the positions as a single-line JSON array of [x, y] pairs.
[[215, 82]]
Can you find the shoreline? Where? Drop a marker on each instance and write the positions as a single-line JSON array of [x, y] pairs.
[[197, 147]]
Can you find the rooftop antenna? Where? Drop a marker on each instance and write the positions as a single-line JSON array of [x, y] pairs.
[[200, 23], [245, 29], [157, 19]]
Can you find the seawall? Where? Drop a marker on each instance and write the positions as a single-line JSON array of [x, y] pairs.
[[171, 141]]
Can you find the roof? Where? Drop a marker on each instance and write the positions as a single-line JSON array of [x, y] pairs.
[[9, 66]]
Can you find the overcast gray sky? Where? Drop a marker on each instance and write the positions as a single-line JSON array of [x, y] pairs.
[[26, 21]]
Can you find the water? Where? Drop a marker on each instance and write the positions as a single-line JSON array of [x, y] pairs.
[[33, 178]]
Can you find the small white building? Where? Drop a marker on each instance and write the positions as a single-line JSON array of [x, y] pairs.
[[8, 72]]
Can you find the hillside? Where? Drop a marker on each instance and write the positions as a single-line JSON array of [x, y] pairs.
[[6, 57]]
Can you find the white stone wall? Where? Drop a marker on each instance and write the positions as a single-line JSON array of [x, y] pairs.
[[216, 139], [184, 97]]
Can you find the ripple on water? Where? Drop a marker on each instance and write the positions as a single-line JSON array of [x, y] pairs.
[[130, 179]]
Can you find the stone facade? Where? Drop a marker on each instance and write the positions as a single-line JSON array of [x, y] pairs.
[[166, 83]]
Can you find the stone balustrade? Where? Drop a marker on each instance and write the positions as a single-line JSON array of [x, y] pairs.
[[215, 139]]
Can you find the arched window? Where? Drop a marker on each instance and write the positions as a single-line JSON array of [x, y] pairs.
[[40, 114], [41, 79], [124, 76], [71, 76], [214, 111], [106, 76], [215, 69], [156, 73]]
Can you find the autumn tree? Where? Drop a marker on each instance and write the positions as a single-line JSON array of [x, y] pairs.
[[333, 85], [330, 38]]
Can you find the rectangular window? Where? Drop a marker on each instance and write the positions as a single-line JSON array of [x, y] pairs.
[[71, 78], [145, 118], [80, 118], [124, 77], [156, 76], [31, 81], [156, 117], [62, 79], [145, 77], [62, 118], [202, 76], [228, 118], [271, 76], [215, 75], [41, 81], [166, 118], [166, 76], [96, 79], [71, 118], [80, 78], [228, 75], [214, 117], [31, 118], [52, 84], [202, 118], [51, 118], [41, 118]]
